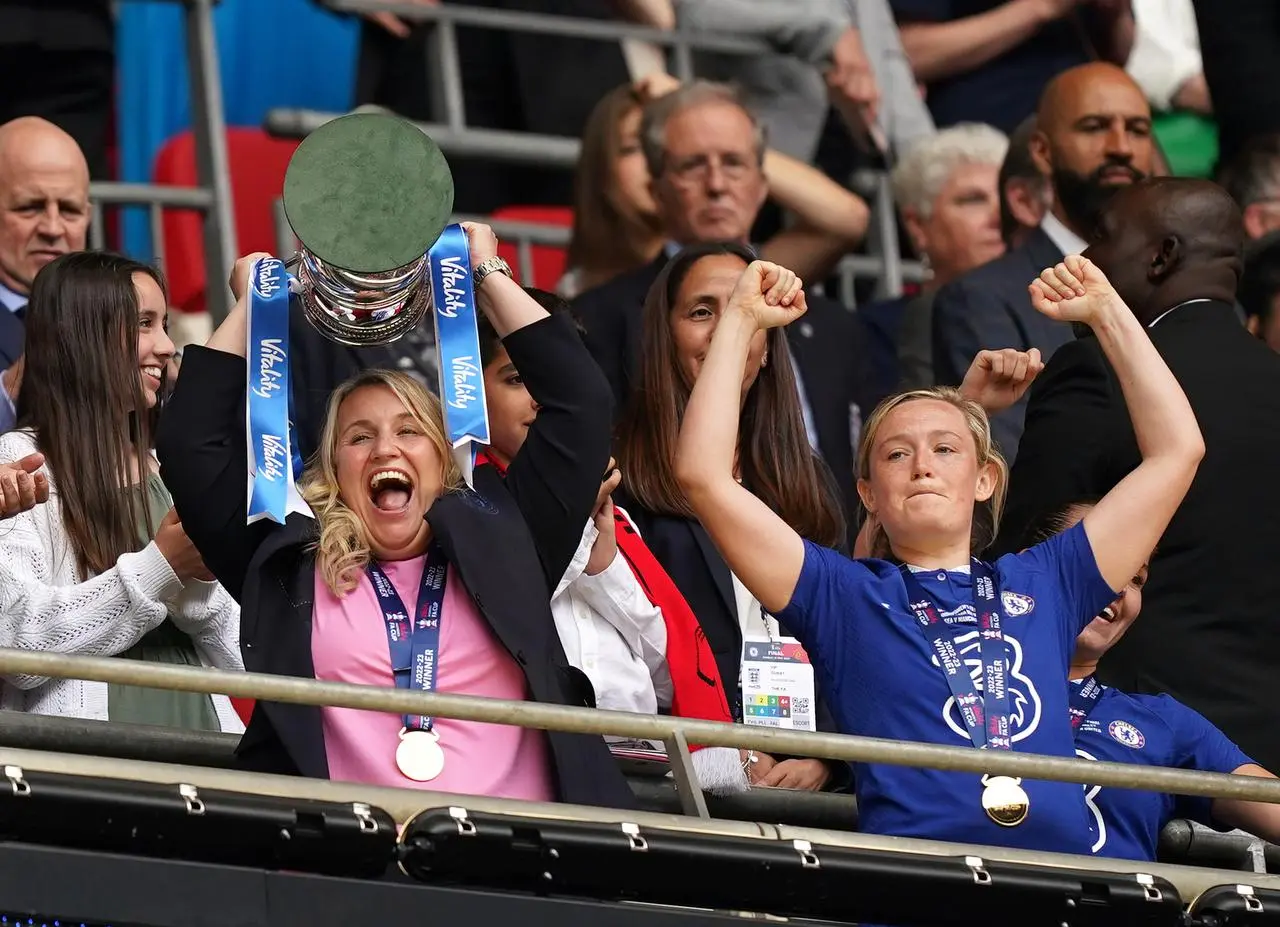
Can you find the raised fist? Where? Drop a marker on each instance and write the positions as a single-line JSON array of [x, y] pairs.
[[770, 294], [997, 379], [1074, 291]]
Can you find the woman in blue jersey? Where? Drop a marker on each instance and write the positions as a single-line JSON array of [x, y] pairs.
[[935, 645], [1150, 730]]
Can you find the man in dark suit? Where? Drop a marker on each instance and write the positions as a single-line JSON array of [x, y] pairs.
[[1092, 137], [1208, 633], [705, 151]]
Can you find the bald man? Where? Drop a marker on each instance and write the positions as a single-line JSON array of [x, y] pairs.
[[1210, 632], [44, 213], [1092, 138]]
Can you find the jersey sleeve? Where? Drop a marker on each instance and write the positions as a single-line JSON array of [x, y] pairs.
[[1065, 563], [1202, 747], [820, 613]]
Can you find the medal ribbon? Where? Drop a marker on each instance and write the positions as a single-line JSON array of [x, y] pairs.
[[267, 408], [414, 646], [1084, 698], [466, 416], [985, 715]]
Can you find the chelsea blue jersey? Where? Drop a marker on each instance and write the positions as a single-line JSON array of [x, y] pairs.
[[1151, 730], [883, 680]]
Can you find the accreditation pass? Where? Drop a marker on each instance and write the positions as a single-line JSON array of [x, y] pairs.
[[777, 684]]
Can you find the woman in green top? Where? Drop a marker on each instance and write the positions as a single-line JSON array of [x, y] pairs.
[[104, 567]]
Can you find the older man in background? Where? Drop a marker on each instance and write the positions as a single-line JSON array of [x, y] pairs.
[[44, 214]]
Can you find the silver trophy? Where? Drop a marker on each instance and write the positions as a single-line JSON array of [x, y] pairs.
[[367, 195]]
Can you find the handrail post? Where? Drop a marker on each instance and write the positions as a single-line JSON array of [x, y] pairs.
[[692, 801], [212, 165]]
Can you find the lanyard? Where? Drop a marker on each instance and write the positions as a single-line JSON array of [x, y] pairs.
[[415, 647], [1084, 698], [986, 715]]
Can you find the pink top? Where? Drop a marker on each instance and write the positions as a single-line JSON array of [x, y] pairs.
[[349, 644]]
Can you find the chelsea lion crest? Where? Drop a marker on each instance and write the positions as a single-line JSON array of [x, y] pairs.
[[1125, 733], [1016, 605]]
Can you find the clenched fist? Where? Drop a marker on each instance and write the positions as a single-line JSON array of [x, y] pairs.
[[770, 294], [1075, 290]]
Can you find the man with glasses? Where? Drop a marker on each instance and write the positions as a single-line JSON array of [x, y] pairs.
[[705, 154]]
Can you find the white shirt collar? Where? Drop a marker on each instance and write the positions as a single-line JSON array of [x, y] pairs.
[[963, 568], [1156, 320], [1068, 242]]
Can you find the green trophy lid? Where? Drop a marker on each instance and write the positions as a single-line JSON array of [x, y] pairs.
[[368, 193]]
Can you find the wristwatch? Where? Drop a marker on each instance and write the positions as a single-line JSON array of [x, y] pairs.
[[487, 267]]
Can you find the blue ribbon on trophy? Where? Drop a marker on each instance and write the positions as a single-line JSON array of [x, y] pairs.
[[466, 414], [368, 196], [272, 494]]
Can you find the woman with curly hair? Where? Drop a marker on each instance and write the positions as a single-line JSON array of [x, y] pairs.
[[331, 593]]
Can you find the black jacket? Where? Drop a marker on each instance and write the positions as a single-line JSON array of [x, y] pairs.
[[1209, 633], [534, 518], [989, 309]]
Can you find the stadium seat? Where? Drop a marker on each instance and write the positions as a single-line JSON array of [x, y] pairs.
[[548, 262], [258, 163]]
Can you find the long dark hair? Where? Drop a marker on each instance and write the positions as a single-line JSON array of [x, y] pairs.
[[609, 236], [774, 457], [82, 395]]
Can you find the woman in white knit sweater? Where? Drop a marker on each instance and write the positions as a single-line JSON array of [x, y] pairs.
[[104, 568]]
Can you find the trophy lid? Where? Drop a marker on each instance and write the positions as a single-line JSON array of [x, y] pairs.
[[368, 193]]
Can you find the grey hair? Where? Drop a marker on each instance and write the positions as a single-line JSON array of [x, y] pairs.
[[653, 124], [923, 171], [1253, 175]]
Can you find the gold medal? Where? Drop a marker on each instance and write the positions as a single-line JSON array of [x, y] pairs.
[[1004, 800]]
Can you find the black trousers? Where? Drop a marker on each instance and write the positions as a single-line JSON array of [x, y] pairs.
[[73, 89], [517, 82]]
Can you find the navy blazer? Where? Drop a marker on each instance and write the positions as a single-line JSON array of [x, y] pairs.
[[534, 518], [13, 336], [989, 309]]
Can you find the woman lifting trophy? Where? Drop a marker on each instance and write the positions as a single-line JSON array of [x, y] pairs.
[[379, 567]]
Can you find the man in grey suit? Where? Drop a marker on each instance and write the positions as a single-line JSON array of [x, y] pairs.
[[1093, 137]]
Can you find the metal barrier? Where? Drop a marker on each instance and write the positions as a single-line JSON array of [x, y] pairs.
[[676, 733], [402, 804], [1181, 842], [212, 198], [448, 126], [525, 235]]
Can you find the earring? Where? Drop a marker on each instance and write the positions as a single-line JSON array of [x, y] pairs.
[[764, 361]]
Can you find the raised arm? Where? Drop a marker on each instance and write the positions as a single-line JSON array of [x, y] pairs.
[[202, 449], [555, 476], [1127, 524], [761, 549]]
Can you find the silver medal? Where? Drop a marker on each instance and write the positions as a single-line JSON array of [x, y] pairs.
[[419, 755]]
